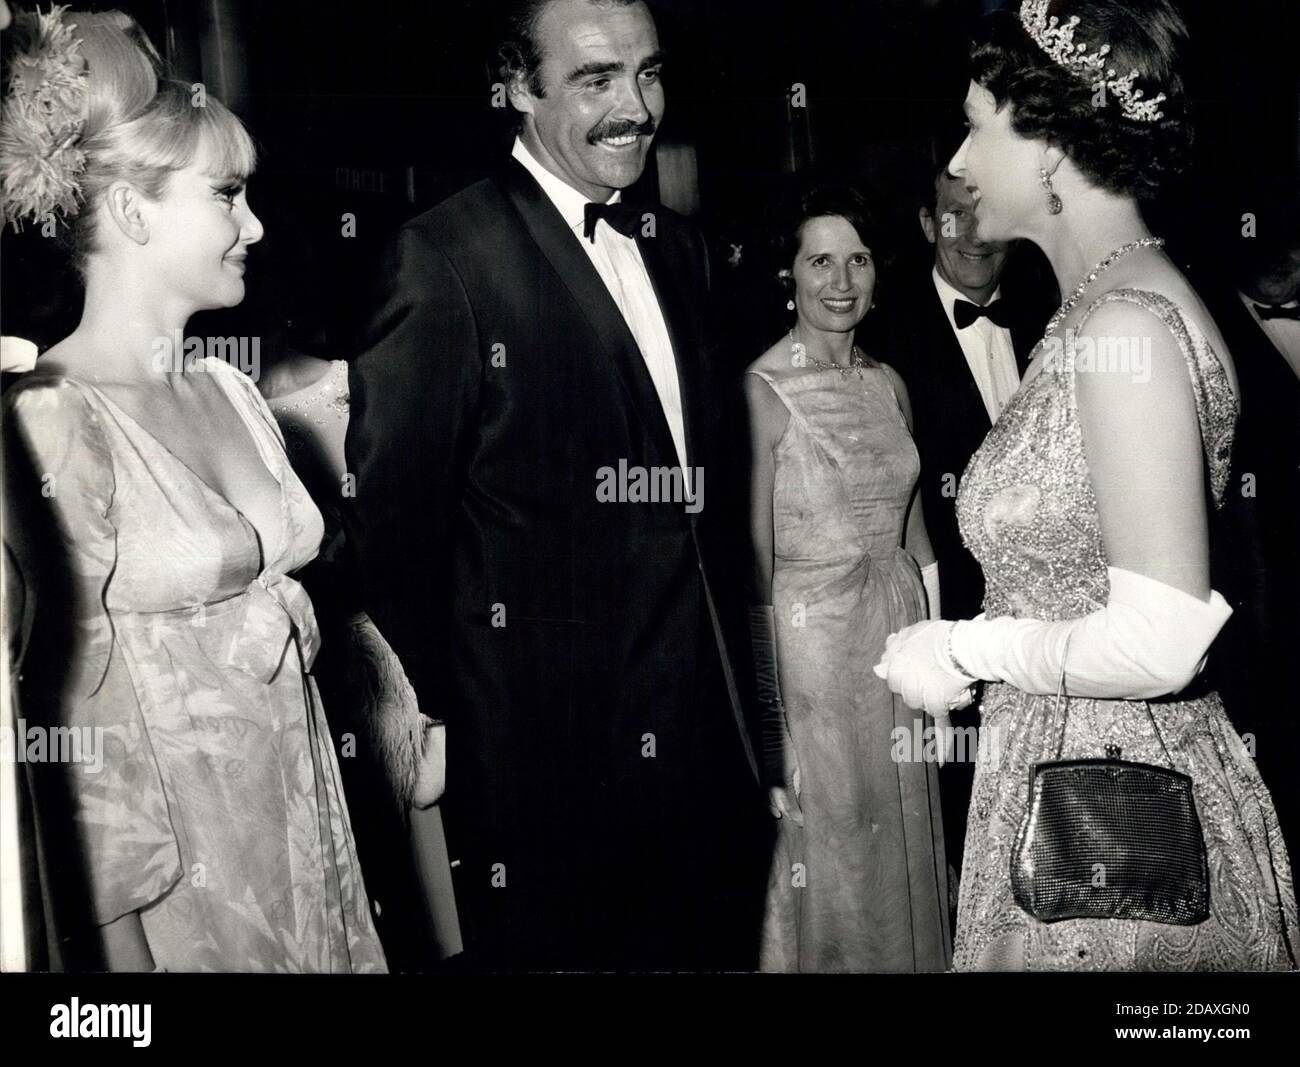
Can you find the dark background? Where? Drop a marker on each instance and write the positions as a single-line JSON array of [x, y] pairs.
[[382, 109]]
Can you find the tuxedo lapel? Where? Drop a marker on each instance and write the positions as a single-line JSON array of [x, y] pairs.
[[560, 247], [1025, 334]]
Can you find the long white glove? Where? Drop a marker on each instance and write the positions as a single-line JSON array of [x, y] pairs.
[[930, 579], [1150, 639]]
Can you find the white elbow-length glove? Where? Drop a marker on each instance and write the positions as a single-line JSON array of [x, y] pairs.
[[930, 579], [1150, 639]]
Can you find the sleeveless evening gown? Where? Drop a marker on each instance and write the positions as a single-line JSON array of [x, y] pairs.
[[1027, 512], [863, 885]]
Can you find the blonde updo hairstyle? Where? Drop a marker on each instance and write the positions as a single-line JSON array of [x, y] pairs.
[[140, 126]]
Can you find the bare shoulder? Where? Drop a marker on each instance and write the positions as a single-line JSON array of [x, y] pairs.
[[777, 362], [1116, 318], [767, 411], [1166, 280], [895, 379], [1128, 365]]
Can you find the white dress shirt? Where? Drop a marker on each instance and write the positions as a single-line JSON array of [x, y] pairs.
[[988, 350], [1284, 333], [618, 262]]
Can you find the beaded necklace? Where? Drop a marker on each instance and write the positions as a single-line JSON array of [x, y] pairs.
[[800, 357], [1106, 263]]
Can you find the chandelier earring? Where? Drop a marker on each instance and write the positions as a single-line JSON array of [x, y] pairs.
[[1053, 201]]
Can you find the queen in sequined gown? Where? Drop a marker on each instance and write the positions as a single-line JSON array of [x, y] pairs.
[[1089, 504], [1028, 513]]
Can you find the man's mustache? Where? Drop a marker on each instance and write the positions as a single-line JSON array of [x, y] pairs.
[[622, 129]]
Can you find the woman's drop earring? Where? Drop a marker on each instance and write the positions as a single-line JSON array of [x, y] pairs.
[[1053, 201], [786, 276]]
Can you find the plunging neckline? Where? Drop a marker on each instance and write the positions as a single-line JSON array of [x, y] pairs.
[[262, 561]]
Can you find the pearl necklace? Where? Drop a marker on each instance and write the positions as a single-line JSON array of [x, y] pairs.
[[800, 358], [1091, 276]]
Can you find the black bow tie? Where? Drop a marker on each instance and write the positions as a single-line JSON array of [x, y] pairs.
[[1265, 312], [623, 217], [964, 313]]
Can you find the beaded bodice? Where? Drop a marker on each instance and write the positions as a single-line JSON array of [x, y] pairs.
[[316, 416], [1026, 507]]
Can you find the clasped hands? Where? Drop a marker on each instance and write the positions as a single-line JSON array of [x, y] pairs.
[[918, 666]]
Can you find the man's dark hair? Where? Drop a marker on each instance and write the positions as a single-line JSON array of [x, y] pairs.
[[518, 53]]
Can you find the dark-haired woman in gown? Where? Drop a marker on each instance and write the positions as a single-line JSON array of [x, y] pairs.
[[858, 881]]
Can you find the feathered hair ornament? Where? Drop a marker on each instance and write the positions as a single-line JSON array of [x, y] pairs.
[[42, 119]]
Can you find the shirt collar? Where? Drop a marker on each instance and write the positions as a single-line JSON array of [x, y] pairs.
[[568, 201], [948, 294], [1251, 305]]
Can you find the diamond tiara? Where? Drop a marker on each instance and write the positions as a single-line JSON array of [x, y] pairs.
[[1057, 41]]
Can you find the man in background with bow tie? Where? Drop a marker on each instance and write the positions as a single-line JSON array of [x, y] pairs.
[[961, 345], [533, 335], [1252, 291]]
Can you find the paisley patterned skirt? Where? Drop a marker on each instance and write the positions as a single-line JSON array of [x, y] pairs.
[[1252, 924]]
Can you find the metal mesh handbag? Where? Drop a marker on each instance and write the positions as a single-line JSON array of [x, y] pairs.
[[1106, 838]]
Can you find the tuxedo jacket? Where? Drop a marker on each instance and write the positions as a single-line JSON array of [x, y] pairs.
[[1262, 530], [1255, 553], [949, 419], [567, 640]]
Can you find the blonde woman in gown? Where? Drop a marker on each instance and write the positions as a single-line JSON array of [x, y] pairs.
[[210, 832], [1087, 507], [858, 879], [217, 815]]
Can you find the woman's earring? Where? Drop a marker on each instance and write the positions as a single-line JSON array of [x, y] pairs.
[[786, 275], [1053, 201]]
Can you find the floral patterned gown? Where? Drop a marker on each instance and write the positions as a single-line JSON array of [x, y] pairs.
[[217, 812], [1028, 513]]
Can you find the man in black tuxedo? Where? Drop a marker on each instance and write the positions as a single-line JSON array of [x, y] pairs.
[[531, 389], [961, 347], [1255, 550]]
